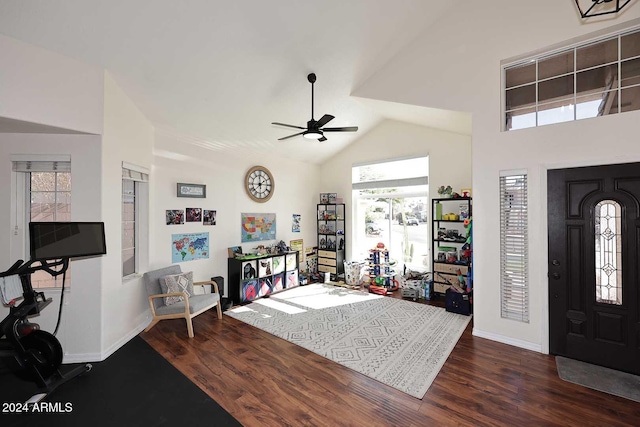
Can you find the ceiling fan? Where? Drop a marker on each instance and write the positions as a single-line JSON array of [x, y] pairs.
[[314, 129]]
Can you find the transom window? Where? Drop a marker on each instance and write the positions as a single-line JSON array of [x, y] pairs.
[[589, 80]]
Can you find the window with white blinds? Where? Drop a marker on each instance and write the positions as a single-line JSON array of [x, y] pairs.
[[514, 259], [42, 193], [134, 180]]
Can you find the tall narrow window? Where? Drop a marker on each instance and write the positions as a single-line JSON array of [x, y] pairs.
[[128, 227], [514, 260], [133, 221], [47, 197], [608, 251]]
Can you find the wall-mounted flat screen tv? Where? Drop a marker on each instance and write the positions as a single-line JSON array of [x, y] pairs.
[[56, 240]]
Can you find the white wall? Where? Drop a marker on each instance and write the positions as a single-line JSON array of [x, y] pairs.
[[40, 86], [456, 65], [80, 329], [449, 159], [128, 136], [296, 192], [101, 311]]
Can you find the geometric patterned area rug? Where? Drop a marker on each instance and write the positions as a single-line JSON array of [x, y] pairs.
[[400, 343]]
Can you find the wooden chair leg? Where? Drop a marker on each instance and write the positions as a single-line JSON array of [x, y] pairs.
[[151, 325], [219, 310], [190, 327]]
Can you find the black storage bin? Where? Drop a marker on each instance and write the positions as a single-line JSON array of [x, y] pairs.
[[225, 303], [220, 282], [456, 302]]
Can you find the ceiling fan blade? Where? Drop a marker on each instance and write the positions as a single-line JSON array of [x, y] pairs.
[[324, 120], [322, 139], [286, 125], [344, 129], [291, 136]]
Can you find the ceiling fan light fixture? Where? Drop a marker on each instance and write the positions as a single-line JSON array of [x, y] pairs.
[[315, 128], [312, 134]]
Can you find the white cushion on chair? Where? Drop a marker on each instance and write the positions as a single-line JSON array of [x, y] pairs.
[[196, 303], [182, 282]]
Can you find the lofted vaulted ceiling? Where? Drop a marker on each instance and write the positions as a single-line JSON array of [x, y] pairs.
[[217, 73]]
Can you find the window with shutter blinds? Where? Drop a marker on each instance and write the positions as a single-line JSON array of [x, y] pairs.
[[41, 166], [45, 182], [133, 177], [514, 259]]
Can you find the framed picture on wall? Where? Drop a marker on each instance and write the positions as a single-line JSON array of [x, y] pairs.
[[194, 215], [192, 190]]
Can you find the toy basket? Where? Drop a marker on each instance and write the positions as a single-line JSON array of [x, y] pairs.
[[353, 272]]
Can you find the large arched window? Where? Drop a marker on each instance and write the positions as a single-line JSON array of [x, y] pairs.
[[608, 249]]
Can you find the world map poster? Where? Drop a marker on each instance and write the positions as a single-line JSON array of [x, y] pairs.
[[258, 226], [189, 247]]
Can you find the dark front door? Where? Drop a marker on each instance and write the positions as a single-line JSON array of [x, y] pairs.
[[594, 261]]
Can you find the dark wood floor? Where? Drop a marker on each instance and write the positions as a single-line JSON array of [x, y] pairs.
[[266, 381]]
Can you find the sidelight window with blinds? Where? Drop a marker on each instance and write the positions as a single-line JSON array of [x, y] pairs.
[[514, 282]]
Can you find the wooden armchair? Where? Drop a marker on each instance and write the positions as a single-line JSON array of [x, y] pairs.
[[187, 309]]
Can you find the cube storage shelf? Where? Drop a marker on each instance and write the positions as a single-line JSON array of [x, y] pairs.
[[448, 237], [254, 278]]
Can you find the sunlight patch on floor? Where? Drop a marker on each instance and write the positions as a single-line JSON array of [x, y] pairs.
[[318, 296], [287, 308]]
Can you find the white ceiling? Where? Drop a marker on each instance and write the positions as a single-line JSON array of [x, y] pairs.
[[217, 73]]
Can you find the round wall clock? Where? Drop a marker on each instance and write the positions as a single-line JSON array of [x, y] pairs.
[[259, 184]]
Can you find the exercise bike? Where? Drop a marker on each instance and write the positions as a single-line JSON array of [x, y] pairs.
[[27, 350]]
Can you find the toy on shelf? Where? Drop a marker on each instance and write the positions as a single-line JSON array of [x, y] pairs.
[[381, 274]]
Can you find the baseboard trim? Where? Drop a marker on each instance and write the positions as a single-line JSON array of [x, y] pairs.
[[99, 357], [507, 340], [125, 339], [81, 358]]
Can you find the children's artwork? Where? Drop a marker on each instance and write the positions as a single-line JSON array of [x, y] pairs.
[[295, 224], [189, 247], [278, 282], [278, 264], [311, 259], [265, 286], [209, 217], [292, 279], [194, 215], [291, 261], [250, 290], [297, 245], [258, 226], [175, 216], [265, 267], [249, 270]]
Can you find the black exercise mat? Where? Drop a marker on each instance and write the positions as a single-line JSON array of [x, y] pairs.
[[135, 386]]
